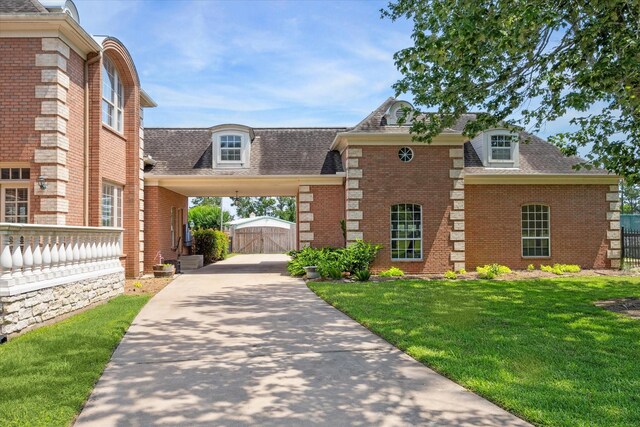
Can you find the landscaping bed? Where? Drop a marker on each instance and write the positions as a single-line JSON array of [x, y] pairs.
[[47, 374], [540, 348], [146, 285]]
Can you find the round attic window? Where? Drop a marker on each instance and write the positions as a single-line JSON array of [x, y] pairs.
[[405, 154]]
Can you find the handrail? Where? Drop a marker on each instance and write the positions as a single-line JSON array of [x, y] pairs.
[[34, 256]]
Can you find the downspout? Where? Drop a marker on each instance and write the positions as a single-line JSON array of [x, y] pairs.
[[86, 135]]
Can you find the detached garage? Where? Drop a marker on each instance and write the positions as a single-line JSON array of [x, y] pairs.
[[262, 235]]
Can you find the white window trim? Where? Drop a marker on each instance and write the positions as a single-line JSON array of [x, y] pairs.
[[245, 148], [489, 161], [391, 239], [118, 209], [242, 148], [522, 238], [117, 101], [9, 184]]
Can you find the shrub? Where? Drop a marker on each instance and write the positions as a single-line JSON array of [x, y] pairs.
[[331, 264], [357, 256], [392, 272], [362, 275], [450, 275], [531, 267], [211, 244], [491, 271], [207, 216], [570, 268], [462, 271], [303, 258], [330, 270], [560, 269]]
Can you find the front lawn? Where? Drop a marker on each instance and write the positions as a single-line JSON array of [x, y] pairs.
[[47, 374], [539, 348]]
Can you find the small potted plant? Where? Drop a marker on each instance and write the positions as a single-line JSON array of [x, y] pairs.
[[162, 270], [311, 272]]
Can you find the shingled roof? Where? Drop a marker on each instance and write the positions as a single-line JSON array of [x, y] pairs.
[[537, 156], [274, 151], [22, 6], [375, 121], [306, 151]]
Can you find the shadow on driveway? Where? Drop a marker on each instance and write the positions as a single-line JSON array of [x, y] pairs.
[[241, 343]]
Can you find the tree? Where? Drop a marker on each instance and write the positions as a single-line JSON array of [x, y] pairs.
[[286, 208], [279, 207], [207, 216], [501, 56], [630, 197], [211, 201]]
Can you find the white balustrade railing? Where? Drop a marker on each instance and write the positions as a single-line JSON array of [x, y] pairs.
[[38, 256]]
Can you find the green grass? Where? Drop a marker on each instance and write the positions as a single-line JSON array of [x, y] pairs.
[[47, 374], [538, 348]]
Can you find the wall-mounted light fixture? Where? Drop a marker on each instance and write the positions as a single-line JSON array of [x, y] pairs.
[[42, 183]]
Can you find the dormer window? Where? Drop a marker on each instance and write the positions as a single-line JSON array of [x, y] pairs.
[[399, 112], [498, 148], [230, 148], [501, 148]]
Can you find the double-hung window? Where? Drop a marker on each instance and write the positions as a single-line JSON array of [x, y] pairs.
[[112, 96], [111, 205], [406, 232], [230, 148], [535, 231], [500, 147], [14, 194]]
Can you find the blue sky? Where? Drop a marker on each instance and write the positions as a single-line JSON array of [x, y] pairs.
[[260, 63]]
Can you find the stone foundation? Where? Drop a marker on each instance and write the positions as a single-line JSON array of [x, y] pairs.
[[30, 309]]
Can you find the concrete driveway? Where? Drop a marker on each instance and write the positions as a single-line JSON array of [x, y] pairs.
[[241, 343]]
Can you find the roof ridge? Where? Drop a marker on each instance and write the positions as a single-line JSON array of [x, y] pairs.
[[261, 128], [384, 106]]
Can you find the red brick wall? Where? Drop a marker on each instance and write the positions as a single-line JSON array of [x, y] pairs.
[[425, 181], [328, 210], [158, 202], [578, 224], [75, 133], [114, 155], [19, 106]]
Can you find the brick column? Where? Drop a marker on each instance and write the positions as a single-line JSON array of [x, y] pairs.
[[354, 195], [613, 232], [52, 123], [456, 215], [305, 216], [141, 201]]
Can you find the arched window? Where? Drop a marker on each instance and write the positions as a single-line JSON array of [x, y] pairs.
[[112, 96], [406, 232], [536, 231]]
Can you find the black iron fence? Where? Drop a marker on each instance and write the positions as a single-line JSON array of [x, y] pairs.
[[630, 248]]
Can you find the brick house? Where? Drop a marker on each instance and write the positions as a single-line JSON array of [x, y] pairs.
[[70, 127], [503, 197], [71, 164], [82, 199]]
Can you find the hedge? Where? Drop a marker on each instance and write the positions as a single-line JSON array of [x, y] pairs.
[[212, 244]]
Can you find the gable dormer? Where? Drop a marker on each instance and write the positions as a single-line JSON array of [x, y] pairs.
[[231, 146], [498, 148], [396, 112]]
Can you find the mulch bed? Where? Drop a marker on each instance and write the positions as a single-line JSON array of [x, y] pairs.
[[628, 306], [515, 275], [146, 285]]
